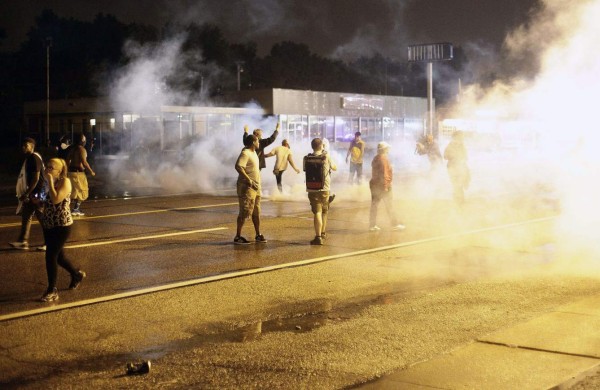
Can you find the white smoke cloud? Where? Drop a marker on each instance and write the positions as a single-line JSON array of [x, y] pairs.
[[150, 80], [141, 85], [551, 111]]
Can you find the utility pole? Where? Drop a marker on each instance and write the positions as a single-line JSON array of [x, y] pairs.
[[48, 45]]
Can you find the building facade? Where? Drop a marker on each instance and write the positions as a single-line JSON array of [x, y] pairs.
[[303, 115]]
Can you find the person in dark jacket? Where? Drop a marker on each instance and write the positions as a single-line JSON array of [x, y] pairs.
[[263, 143], [63, 148], [29, 186]]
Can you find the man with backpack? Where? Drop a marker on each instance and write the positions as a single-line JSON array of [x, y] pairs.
[[318, 166]]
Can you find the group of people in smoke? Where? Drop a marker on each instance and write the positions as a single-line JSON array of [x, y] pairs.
[[252, 159], [456, 155], [47, 192]]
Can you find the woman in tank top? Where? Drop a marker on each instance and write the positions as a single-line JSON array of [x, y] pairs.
[[57, 221]]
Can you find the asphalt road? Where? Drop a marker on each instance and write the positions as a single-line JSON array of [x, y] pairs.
[[166, 283]]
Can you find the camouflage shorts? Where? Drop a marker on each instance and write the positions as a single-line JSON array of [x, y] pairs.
[[249, 200], [319, 201]]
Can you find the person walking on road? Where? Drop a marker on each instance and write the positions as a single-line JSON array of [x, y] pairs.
[[429, 146], [78, 164], [30, 185], [248, 189], [356, 152], [381, 187], [283, 156], [458, 170], [319, 198], [57, 221], [262, 143]]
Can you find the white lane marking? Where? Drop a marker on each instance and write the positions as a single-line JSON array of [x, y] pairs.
[[133, 213], [143, 238], [253, 271], [157, 211]]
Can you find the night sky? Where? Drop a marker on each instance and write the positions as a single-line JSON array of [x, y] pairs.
[[341, 28]]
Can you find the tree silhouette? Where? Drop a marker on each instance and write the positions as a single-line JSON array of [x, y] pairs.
[[84, 55]]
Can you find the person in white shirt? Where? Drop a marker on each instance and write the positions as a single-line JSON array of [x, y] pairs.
[[248, 189], [283, 156]]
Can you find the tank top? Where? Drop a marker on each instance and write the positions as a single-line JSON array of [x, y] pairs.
[[56, 215]]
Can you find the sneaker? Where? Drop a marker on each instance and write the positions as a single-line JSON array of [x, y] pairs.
[[77, 213], [49, 296], [76, 280], [374, 228], [323, 235], [24, 245], [41, 248], [399, 227], [260, 238], [331, 198], [239, 240], [317, 241]]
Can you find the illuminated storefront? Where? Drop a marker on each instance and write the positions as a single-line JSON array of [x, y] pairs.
[[303, 115]]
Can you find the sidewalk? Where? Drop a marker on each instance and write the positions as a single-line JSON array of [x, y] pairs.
[[555, 350]]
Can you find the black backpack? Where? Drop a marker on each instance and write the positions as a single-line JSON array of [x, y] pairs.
[[314, 166]]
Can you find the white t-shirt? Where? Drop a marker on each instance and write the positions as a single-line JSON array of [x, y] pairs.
[[248, 160], [282, 154]]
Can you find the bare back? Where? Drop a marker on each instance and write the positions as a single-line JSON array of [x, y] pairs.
[[78, 158]]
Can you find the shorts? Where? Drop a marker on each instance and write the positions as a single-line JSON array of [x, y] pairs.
[[319, 201], [356, 167], [79, 183], [249, 200]]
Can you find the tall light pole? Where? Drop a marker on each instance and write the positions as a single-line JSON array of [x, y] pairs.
[[430, 53], [240, 69], [48, 45]]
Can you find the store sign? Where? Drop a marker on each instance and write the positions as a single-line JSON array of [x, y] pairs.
[[362, 103], [430, 52]]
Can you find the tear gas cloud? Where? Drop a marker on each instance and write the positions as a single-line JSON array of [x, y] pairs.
[[553, 107], [152, 79], [547, 107]]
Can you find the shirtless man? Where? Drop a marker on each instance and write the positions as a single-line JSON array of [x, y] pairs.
[[78, 164]]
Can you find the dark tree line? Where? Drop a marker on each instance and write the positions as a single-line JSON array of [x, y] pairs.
[[83, 55]]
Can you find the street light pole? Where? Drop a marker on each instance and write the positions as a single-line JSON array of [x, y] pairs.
[[239, 70], [430, 107], [48, 45], [429, 53]]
